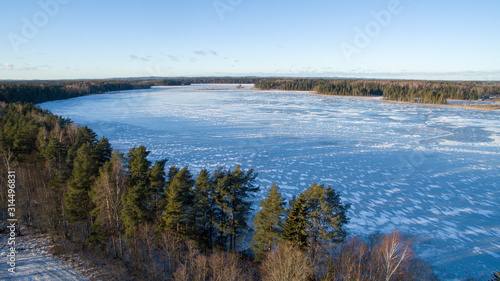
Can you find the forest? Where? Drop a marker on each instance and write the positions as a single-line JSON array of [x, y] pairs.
[[433, 92], [155, 221], [36, 91], [164, 222]]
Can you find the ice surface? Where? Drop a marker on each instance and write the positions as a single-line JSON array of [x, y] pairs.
[[430, 171]]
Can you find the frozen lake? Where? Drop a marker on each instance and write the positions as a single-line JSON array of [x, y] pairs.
[[428, 170]]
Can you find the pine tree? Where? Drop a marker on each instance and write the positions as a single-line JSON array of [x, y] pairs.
[[296, 223], [233, 191], [268, 222], [136, 199], [334, 214], [81, 135], [54, 153], [179, 198], [326, 217], [26, 131], [219, 179]]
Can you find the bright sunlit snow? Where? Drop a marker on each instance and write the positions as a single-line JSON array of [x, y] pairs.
[[427, 170]]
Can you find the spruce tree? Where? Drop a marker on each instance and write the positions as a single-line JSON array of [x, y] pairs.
[[103, 150], [296, 223], [171, 173], [77, 200], [157, 189], [179, 201], [268, 222], [138, 165], [136, 199], [205, 209]]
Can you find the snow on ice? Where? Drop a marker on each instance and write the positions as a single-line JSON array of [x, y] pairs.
[[429, 171]]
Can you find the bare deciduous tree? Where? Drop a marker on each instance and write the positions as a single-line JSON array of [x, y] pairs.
[[286, 263], [388, 258], [393, 255]]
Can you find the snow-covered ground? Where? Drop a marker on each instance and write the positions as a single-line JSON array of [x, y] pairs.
[[427, 170], [34, 260]]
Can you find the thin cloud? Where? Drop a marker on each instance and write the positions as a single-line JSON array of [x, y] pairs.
[[29, 68], [206, 53], [7, 66], [134, 57], [173, 58], [24, 67]]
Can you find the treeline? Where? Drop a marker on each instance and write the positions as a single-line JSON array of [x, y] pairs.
[[166, 223], [82, 174], [42, 91], [324, 86], [410, 91], [439, 92], [205, 80]]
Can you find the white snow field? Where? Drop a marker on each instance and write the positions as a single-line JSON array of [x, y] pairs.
[[33, 260], [429, 171]]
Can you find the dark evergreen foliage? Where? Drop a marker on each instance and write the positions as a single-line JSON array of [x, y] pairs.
[[136, 200], [397, 90], [496, 276], [295, 229], [179, 203], [77, 199], [73, 185], [42, 91], [268, 222], [205, 209]]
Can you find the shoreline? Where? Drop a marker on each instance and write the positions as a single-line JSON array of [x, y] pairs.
[[381, 98], [366, 97], [490, 108]]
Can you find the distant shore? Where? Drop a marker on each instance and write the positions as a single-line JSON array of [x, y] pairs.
[[478, 107]]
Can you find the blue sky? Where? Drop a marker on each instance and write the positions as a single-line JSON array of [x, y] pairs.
[[419, 39]]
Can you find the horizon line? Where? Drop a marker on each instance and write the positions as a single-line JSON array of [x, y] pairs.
[[250, 76]]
